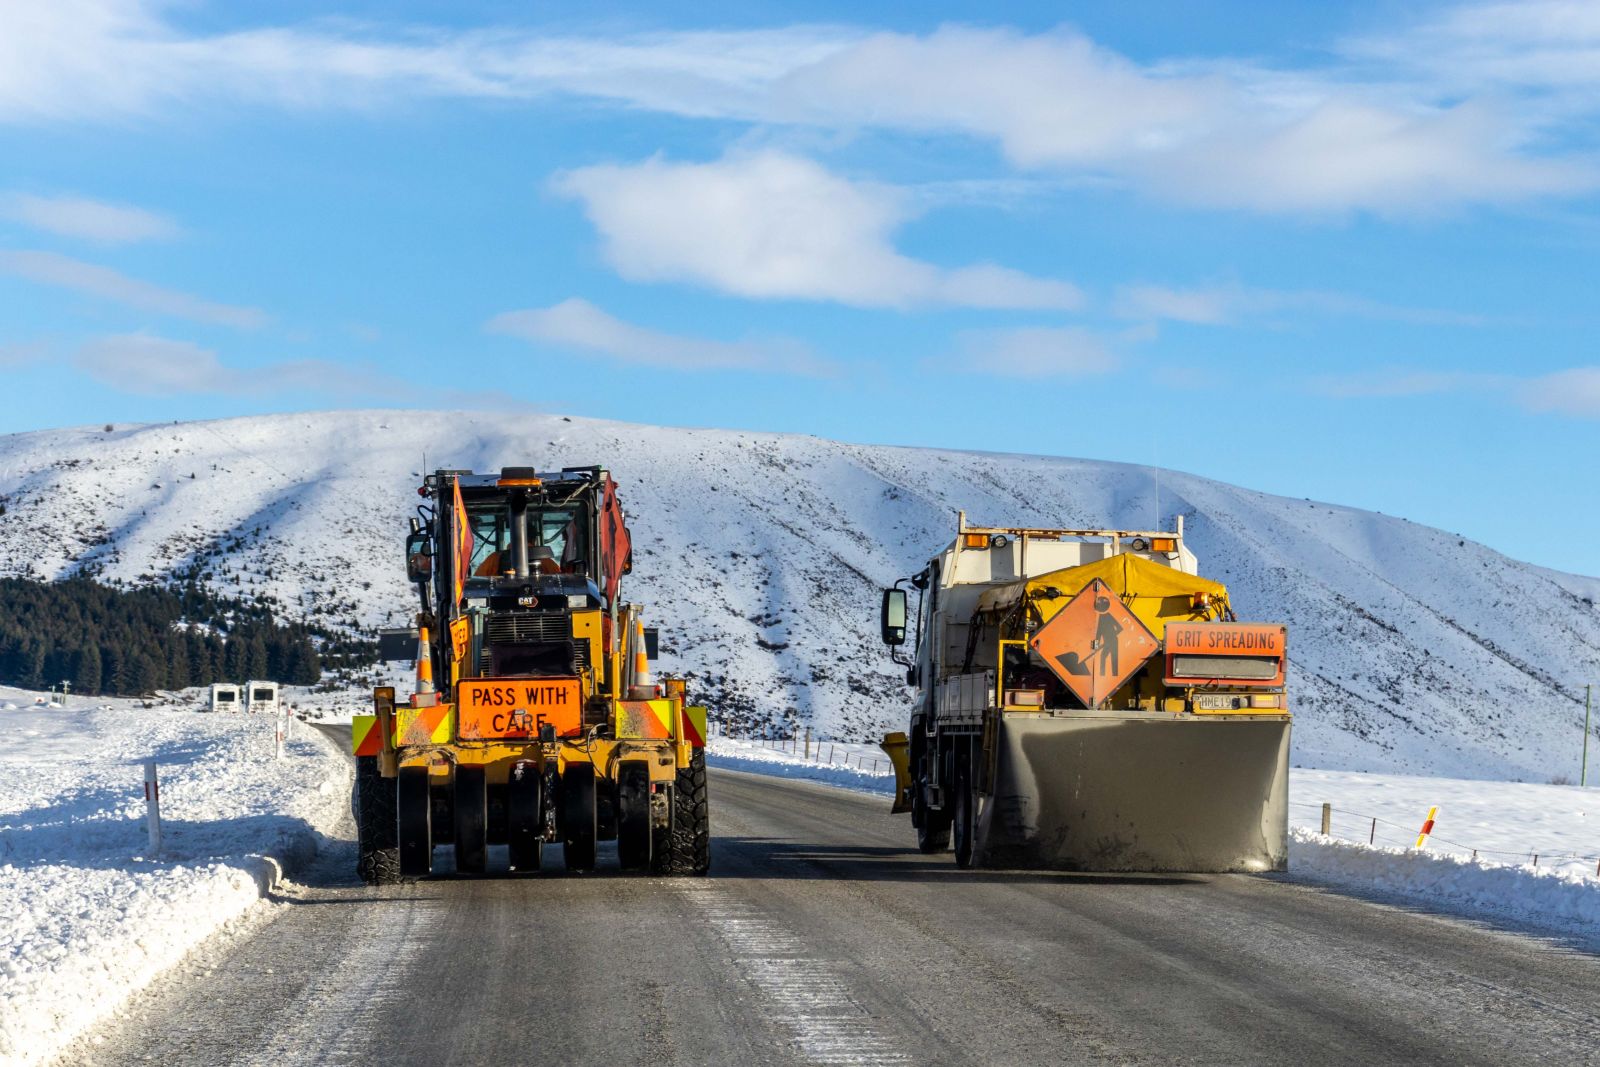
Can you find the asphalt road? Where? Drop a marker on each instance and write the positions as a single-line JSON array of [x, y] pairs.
[[822, 937]]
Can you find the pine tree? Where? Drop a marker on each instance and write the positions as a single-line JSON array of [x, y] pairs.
[[256, 657], [86, 678]]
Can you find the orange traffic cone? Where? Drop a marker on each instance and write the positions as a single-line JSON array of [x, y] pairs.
[[426, 695], [644, 687]]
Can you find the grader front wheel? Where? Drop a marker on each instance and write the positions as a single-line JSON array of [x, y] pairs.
[[377, 834], [579, 821], [633, 816], [691, 820], [415, 818]]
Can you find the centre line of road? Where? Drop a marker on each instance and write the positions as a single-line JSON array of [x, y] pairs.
[[799, 991]]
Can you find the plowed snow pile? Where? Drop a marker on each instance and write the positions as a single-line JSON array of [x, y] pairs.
[[89, 916]]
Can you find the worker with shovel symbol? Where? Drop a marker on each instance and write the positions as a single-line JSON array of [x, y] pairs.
[[1105, 636]]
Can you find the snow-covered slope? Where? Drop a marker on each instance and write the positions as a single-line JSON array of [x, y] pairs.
[[761, 554]]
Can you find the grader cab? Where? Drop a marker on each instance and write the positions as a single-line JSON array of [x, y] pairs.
[[535, 719]]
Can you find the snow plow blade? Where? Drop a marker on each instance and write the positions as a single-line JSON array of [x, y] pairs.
[[1131, 791]]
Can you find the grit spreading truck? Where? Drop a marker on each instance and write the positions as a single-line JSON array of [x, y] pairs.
[[535, 719], [1085, 701]]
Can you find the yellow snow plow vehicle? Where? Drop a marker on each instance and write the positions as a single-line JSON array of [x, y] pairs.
[[535, 718], [1086, 701]]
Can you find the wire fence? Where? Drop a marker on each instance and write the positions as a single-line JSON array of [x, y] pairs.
[[1364, 828]]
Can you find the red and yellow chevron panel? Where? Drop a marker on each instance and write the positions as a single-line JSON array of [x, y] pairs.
[[424, 726], [694, 725], [365, 737], [644, 720]]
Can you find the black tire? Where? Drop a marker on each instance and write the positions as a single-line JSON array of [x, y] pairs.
[[964, 803], [580, 825], [377, 829], [414, 811], [933, 827], [634, 836], [472, 821], [690, 852], [525, 817]]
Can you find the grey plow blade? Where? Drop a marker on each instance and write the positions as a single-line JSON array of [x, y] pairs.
[[1120, 791]]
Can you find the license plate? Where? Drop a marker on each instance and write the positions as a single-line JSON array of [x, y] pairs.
[[1220, 702]]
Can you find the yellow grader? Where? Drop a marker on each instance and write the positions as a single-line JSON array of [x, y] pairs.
[[535, 718], [1086, 701]]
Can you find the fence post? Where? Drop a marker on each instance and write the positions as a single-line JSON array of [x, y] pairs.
[[1372, 838], [1327, 819], [1583, 773], [808, 742], [152, 807]]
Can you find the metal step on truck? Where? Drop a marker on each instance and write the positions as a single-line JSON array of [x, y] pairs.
[[1084, 700], [535, 719]]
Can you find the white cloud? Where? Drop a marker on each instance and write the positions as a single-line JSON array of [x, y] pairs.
[[1031, 352], [578, 325], [1399, 122], [50, 268], [1573, 392], [1403, 381], [1220, 305], [94, 220], [158, 366], [1568, 392], [774, 225]]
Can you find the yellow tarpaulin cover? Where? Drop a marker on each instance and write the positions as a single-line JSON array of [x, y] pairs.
[[1153, 592]]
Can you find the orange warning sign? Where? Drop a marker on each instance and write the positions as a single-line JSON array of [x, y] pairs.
[[492, 708], [1094, 644]]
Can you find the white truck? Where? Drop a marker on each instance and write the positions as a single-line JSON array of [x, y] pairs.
[[1084, 700], [262, 698]]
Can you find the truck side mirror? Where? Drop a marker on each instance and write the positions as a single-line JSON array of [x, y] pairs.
[[894, 616], [419, 557]]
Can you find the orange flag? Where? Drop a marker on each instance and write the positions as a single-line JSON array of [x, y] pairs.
[[463, 543]]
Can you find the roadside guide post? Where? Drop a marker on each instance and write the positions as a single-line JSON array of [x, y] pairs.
[[152, 807]]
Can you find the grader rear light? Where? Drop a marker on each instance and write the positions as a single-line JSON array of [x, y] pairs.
[[1163, 544], [974, 540], [1024, 698]]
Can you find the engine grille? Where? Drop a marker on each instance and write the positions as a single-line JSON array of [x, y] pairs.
[[518, 627]]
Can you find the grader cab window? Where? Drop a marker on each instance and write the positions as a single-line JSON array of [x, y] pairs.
[[491, 541]]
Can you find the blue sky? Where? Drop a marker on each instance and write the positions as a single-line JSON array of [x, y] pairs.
[[1346, 252]]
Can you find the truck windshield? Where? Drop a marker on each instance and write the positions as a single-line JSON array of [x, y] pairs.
[[561, 530]]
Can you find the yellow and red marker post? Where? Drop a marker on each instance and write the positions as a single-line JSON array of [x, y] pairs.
[[1427, 826]]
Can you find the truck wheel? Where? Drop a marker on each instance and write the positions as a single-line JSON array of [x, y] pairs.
[[933, 828], [524, 817], [633, 815], [414, 811], [579, 823], [472, 821], [691, 820], [377, 832], [963, 812]]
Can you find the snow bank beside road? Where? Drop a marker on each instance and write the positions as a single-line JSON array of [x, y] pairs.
[[1508, 822], [1545, 897], [89, 917]]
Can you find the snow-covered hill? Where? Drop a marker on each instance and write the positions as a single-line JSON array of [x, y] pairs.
[[761, 555]]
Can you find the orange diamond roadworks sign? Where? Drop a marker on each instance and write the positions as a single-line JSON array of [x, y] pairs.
[[1095, 643]]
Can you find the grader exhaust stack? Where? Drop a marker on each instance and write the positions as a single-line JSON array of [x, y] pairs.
[[1085, 701]]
